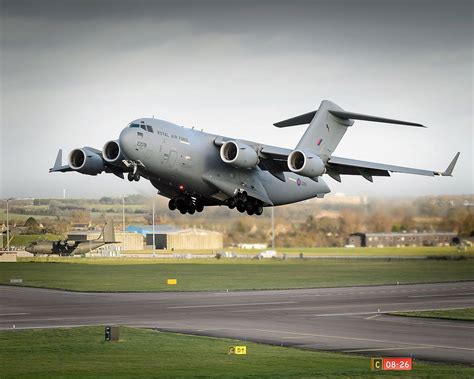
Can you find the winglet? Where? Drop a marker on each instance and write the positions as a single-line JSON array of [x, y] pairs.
[[449, 170], [58, 164], [59, 159]]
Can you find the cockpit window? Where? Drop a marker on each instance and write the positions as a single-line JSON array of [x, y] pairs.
[[134, 125], [143, 127], [150, 129]]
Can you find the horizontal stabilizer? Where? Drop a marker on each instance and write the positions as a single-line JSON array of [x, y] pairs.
[[364, 117], [298, 120]]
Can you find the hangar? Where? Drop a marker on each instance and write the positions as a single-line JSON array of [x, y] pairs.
[[169, 237], [402, 239]]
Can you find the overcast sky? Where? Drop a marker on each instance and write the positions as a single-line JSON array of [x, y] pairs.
[[74, 73]]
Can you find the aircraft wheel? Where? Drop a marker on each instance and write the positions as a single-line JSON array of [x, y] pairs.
[[183, 210], [191, 209], [130, 177], [199, 206], [172, 204], [231, 203], [250, 207], [259, 210], [136, 177], [180, 203], [250, 212], [240, 206]]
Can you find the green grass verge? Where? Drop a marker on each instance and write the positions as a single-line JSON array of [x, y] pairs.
[[82, 352], [207, 275], [466, 314], [418, 251]]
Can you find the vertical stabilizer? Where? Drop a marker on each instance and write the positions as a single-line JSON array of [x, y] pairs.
[[109, 232], [325, 130]]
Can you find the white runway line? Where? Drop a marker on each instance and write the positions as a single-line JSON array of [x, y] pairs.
[[372, 317], [365, 340], [387, 349], [230, 305], [13, 314], [447, 294]]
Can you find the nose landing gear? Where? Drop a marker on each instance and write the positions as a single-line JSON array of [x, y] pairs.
[[133, 175]]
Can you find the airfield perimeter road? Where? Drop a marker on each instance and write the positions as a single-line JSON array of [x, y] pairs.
[[334, 319]]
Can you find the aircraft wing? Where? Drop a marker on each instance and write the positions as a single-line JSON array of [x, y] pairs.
[[59, 167], [274, 160], [337, 166]]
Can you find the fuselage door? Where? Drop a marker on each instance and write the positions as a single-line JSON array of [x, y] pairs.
[[173, 154]]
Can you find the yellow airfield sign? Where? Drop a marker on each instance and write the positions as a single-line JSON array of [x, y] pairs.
[[239, 350]]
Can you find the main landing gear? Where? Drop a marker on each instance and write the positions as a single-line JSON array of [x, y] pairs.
[[186, 205], [245, 203]]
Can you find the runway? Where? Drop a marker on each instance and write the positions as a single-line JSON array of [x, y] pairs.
[[350, 319]]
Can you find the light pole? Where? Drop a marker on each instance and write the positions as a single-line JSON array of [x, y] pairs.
[[273, 230], [154, 245], [8, 229], [123, 217]]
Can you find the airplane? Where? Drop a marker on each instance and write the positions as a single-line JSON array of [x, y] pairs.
[[70, 247], [195, 169]]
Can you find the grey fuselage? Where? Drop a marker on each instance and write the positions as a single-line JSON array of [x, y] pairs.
[[64, 247], [177, 159]]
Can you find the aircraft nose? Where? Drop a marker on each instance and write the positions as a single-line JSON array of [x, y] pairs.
[[127, 141]]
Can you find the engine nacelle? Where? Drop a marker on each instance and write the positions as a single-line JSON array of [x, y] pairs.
[[86, 161], [112, 152], [306, 163], [239, 154]]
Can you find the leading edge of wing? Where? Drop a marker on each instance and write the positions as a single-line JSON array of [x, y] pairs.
[[335, 161]]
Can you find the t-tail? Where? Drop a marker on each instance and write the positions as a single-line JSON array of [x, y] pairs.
[[327, 126]]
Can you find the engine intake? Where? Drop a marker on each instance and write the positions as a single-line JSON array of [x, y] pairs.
[[112, 152], [86, 161], [306, 163], [238, 154]]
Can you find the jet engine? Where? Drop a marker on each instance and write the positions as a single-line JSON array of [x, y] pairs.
[[86, 161], [112, 152], [238, 154], [306, 163]]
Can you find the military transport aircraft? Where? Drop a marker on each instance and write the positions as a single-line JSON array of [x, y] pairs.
[[196, 169], [71, 247]]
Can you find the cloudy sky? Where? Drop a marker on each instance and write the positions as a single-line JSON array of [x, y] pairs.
[[74, 73]]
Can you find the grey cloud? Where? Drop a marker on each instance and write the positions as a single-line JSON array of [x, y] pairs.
[[74, 72]]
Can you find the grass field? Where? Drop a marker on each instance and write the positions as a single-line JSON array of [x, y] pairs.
[[466, 314], [206, 275], [335, 251], [82, 352]]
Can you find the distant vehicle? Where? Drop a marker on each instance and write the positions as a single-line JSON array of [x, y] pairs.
[[70, 247], [267, 254], [196, 169]]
